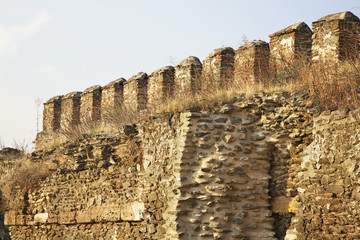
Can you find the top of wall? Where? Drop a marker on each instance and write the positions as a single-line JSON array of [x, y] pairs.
[[297, 27], [349, 16]]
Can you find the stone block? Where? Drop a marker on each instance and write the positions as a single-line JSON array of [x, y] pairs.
[[10, 218], [41, 218], [132, 211]]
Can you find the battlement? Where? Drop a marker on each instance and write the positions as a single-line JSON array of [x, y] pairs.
[[334, 37]]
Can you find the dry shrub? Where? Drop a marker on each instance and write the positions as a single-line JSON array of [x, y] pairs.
[[74, 132], [121, 116], [334, 85], [18, 179]]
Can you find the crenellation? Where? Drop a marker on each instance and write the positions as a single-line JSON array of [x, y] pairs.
[[188, 77], [265, 167], [70, 109], [90, 109], [218, 68], [252, 63], [52, 114], [135, 92], [112, 96], [160, 86], [290, 44], [336, 37]]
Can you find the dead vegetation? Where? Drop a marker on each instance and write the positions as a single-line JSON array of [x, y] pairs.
[[18, 174], [331, 86]]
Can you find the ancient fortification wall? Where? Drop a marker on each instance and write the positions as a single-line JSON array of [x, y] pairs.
[[335, 37], [262, 168]]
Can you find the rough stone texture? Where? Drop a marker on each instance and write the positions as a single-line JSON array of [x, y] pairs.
[[220, 173], [252, 63], [135, 92], [288, 44], [218, 68], [52, 114], [328, 200], [188, 77], [108, 187], [70, 109], [112, 96], [90, 109], [336, 37], [160, 86]]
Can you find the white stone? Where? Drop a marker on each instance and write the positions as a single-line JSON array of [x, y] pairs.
[[41, 218]]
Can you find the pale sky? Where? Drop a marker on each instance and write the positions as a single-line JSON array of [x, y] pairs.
[[50, 48]]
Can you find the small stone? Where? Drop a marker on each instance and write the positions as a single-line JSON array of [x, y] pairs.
[[237, 148], [226, 108], [242, 136], [219, 147], [228, 138], [235, 120], [257, 137], [221, 120], [242, 129]]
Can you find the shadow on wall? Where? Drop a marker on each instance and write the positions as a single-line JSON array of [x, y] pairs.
[[4, 230]]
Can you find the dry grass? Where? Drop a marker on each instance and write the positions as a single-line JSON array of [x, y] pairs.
[[331, 86], [19, 174]]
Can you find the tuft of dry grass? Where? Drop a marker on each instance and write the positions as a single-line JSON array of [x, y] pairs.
[[331, 86], [20, 173]]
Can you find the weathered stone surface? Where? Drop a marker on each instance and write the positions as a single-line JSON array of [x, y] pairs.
[[336, 37], [291, 43], [188, 77]]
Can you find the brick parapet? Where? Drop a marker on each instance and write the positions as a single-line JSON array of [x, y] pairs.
[[52, 114], [188, 77], [218, 67], [135, 92], [112, 96], [70, 109], [251, 64], [291, 43], [336, 37], [90, 108], [160, 86]]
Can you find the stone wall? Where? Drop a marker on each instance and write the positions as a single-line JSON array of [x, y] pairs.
[[336, 37], [221, 173], [326, 207], [123, 187]]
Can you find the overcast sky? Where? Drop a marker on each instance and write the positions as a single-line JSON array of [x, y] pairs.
[[50, 48]]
